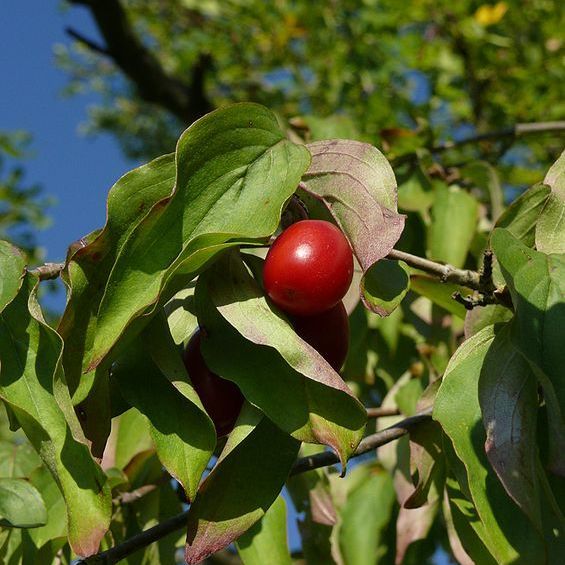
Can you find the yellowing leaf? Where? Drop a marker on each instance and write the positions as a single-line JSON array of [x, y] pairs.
[[488, 14]]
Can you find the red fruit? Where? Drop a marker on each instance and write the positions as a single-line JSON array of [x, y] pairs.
[[327, 333], [309, 268], [221, 398]]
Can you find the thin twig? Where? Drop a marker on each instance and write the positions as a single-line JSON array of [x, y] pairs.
[[382, 412], [515, 131], [367, 444], [139, 541], [446, 273]]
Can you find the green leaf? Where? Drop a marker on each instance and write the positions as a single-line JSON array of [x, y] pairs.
[[364, 518], [89, 266], [522, 216], [509, 402], [55, 527], [483, 316], [12, 264], [385, 285], [464, 527], [427, 465], [245, 482], [332, 127], [152, 378], [312, 497], [181, 315], [132, 437], [17, 461], [484, 176], [550, 228], [232, 165], [247, 342], [357, 185], [506, 532], [153, 508], [415, 191], [439, 293], [537, 285], [21, 506], [454, 220], [266, 538], [32, 384]]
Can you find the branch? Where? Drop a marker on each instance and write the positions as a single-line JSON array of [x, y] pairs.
[[48, 271], [185, 100], [92, 45], [446, 273], [382, 412], [139, 541], [512, 132], [367, 444]]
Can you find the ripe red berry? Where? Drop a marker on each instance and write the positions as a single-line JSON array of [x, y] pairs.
[[327, 333], [221, 398], [309, 268]]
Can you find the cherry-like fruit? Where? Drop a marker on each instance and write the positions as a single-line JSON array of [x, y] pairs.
[[221, 398], [308, 268], [327, 333]]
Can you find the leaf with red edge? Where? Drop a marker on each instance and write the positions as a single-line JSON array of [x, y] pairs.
[[247, 342], [246, 480], [32, 383], [357, 184]]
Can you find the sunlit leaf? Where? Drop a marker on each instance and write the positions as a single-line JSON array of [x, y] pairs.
[[453, 224], [266, 538], [152, 378], [232, 165], [364, 517], [12, 262], [32, 384], [522, 216], [357, 185], [550, 229]]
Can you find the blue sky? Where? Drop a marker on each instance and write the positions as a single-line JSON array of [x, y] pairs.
[[76, 170]]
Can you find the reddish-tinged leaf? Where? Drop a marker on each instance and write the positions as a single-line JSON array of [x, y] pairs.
[[509, 404], [247, 342], [32, 383], [242, 486], [357, 185]]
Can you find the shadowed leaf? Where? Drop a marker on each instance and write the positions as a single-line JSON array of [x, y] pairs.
[[537, 285], [245, 482], [506, 532], [21, 506], [247, 342], [384, 286]]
